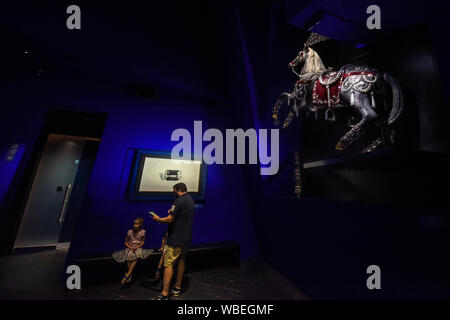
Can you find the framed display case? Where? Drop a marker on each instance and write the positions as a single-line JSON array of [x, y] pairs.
[[154, 174]]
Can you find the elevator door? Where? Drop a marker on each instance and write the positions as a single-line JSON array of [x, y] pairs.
[[50, 193]]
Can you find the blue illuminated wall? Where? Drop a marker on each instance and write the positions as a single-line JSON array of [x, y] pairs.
[[8, 169], [107, 214], [185, 65], [133, 123]]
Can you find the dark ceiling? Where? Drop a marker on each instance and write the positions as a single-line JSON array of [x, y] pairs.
[[345, 20], [179, 44], [173, 44]]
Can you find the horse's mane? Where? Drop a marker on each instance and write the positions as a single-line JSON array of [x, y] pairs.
[[313, 64]]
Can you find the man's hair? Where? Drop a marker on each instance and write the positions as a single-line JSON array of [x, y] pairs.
[[139, 220], [180, 187]]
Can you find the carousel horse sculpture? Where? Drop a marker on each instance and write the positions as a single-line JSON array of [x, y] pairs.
[[361, 88]]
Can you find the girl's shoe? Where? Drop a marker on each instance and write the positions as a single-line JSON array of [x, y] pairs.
[[124, 278], [129, 279], [161, 297]]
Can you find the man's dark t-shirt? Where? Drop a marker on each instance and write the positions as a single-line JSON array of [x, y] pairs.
[[180, 230]]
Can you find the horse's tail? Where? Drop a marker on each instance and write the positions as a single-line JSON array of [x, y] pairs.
[[397, 99]]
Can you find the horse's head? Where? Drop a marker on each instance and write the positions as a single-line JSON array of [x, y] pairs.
[[297, 64]]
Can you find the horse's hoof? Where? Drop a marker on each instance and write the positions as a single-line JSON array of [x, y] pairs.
[[340, 146], [366, 150]]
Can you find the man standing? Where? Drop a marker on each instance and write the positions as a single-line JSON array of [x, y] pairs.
[[180, 220]]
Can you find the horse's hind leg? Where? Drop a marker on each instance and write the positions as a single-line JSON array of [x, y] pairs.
[[363, 106], [381, 141], [374, 145]]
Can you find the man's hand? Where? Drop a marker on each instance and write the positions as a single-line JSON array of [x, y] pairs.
[[167, 219]]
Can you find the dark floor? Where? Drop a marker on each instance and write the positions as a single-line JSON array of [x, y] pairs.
[[39, 276]]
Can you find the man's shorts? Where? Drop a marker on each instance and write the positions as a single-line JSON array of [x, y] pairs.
[[172, 254]]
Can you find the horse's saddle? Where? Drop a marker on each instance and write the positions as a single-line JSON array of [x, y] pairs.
[[326, 88]]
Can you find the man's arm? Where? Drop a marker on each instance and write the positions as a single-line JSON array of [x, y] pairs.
[[172, 212], [167, 219]]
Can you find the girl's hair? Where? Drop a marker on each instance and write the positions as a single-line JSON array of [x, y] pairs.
[[139, 220]]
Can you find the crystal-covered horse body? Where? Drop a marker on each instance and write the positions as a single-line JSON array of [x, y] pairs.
[[360, 87]]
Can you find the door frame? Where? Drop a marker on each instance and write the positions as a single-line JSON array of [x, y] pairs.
[[38, 164], [59, 121]]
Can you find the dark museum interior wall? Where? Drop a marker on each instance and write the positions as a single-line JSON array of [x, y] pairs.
[[231, 80], [331, 243], [183, 72]]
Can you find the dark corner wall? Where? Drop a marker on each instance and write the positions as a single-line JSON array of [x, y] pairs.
[[183, 64], [325, 246]]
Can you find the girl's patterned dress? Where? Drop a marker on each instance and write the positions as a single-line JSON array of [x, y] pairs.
[[133, 239]]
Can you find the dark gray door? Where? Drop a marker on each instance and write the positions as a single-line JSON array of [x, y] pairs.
[[50, 193]]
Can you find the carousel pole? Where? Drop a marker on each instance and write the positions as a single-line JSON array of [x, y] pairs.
[[298, 176], [298, 162]]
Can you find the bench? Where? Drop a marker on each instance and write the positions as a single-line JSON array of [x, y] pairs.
[[103, 269]]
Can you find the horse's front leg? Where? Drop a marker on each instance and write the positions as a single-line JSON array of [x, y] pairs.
[[277, 106], [364, 108], [290, 116]]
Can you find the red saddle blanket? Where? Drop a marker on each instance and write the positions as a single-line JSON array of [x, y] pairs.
[[320, 92]]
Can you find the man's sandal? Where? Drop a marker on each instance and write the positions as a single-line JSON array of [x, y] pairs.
[[161, 297], [176, 292]]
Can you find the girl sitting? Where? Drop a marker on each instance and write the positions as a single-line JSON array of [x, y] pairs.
[[134, 241]]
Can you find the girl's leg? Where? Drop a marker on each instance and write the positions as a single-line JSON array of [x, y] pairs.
[[127, 274], [131, 265], [129, 268]]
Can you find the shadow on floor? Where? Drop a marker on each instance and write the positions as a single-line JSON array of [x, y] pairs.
[[40, 276]]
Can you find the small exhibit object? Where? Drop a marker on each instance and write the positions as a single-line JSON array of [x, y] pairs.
[[154, 174]]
